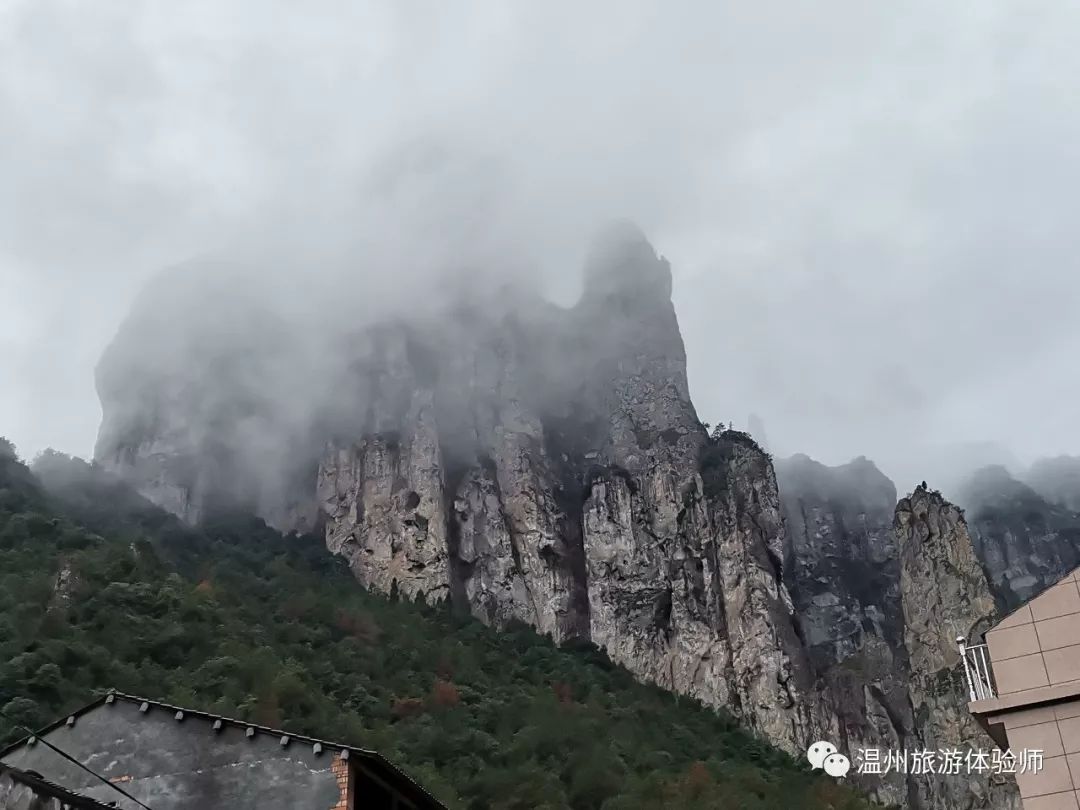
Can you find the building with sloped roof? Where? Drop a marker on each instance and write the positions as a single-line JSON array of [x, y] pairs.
[[167, 757]]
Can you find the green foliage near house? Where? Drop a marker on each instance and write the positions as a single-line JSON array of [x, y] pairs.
[[99, 589]]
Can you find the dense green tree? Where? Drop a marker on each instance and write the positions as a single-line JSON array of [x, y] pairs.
[[99, 589]]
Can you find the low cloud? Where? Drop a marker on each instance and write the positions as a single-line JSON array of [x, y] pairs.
[[866, 206]]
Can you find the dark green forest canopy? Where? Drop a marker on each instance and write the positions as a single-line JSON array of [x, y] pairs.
[[99, 589]]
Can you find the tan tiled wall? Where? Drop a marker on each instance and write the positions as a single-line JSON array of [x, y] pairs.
[[1054, 730], [1039, 645]]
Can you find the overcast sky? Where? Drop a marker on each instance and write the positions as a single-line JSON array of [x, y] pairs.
[[869, 206]]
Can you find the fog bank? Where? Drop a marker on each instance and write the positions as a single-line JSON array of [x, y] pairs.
[[866, 207]]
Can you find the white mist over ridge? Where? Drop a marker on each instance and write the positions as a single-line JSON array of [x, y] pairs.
[[864, 206]]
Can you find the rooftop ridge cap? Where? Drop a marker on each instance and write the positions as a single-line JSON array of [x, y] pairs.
[[55, 724], [277, 732]]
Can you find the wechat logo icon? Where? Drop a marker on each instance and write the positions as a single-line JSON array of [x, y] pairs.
[[825, 756]]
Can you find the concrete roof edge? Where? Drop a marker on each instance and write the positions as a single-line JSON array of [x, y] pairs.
[[76, 800]]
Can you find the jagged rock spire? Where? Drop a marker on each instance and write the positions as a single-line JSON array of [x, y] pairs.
[[945, 596]]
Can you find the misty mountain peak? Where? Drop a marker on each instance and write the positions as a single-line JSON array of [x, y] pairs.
[[993, 473], [540, 464], [623, 264], [1058, 480], [1026, 540], [994, 484], [857, 482]]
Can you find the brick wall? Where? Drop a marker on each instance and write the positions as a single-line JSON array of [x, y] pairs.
[[343, 775]]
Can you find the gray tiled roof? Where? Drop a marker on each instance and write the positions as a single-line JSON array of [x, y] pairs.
[[372, 760]]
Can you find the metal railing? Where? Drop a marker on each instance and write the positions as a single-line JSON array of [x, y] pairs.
[[977, 670]]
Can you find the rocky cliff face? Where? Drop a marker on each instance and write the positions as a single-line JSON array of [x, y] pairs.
[[528, 462], [945, 595], [546, 465], [842, 566], [1026, 541], [882, 590]]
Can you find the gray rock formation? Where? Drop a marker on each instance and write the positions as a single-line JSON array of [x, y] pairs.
[[842, 567], [841, 560], [881, 592], [945, 595], [545, 465], [1025, 542], [529, 462]]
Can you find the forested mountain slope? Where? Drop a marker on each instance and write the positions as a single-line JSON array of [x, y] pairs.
[[100, 589]]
